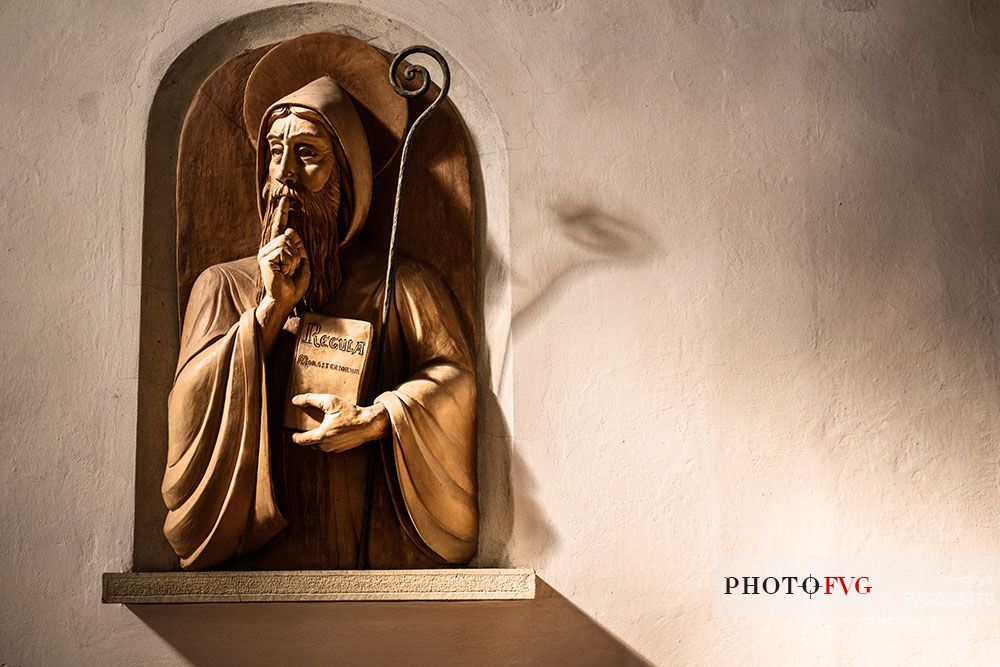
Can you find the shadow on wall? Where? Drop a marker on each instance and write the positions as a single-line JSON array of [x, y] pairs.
[[548, 630], [582, 237], [577, 238]]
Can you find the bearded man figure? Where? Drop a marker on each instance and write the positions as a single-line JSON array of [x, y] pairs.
[[240, 488]]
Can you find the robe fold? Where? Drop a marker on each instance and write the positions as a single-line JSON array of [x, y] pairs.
[[240, 492]]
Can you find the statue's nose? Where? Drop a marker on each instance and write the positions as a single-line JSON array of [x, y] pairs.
[[286, 169]]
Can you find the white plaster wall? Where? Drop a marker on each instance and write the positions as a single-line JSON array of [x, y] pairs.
[[754, 261]]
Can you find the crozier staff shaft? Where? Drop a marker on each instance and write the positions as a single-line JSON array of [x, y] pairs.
[[411, 73]]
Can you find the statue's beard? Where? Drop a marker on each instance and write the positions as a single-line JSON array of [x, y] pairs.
[[314, 216]]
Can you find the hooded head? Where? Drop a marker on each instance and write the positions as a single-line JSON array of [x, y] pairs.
[[332, 107], [341, 78], [311, 148]]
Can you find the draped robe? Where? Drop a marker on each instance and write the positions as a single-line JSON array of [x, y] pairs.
[[240, 492]]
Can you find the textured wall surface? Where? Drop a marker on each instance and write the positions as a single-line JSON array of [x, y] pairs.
[[754, 267]]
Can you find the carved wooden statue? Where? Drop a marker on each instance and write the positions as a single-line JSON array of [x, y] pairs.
[[278, 438]]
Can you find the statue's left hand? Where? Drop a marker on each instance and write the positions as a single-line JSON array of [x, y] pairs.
[[344, 426]]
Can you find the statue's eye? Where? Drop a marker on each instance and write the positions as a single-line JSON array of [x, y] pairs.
[[275, 151], [307, 153]]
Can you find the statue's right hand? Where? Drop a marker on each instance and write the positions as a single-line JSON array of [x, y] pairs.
[[284, 269]]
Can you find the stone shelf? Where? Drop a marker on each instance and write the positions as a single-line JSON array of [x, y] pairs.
[[317, 586]]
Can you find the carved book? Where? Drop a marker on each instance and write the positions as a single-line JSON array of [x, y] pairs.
[[331, 357]]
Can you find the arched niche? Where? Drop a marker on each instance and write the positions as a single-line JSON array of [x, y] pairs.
[[159, 294]]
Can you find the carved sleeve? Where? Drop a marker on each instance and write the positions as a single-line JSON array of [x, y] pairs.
[[433, 416], [217, 485]]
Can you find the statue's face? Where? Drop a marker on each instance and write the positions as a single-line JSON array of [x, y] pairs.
[[303, 166], [301, 153]]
